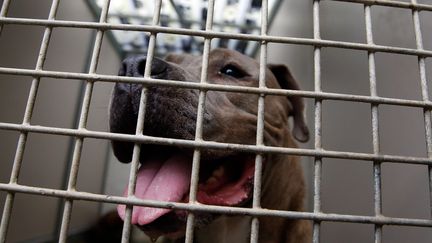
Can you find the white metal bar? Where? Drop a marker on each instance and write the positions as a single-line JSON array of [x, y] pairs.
[[375, 125], [216, 145], [318, 120], [3, 12], [216, 87], [425, 94], [216, 34], [256, 200], [190, 225], [67, 210], [140, 125], [86, 196], [5, 8], [19, 153]]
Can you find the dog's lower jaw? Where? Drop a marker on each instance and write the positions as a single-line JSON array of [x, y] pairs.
[[237, 229], [283, 188]]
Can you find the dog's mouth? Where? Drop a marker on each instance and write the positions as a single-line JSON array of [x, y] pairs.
[[165, 176]]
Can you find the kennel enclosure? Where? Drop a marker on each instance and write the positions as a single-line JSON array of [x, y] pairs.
[[317, 97]]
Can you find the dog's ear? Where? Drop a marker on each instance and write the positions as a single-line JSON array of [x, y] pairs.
[[287, 81]]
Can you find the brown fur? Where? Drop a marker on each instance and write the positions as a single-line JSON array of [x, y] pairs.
[[283, 183]]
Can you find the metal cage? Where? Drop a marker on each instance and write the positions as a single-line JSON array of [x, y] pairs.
[[81, 132]]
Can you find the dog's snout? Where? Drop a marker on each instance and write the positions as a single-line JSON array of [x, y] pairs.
[[158, 67], [134, 67]]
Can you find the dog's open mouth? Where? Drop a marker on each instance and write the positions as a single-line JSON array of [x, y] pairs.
[[166, 177]]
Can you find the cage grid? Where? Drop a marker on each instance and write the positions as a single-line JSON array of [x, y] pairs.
[[230, 16], [318, 153]]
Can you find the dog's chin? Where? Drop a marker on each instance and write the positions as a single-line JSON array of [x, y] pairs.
[[165, 174], [173, 224]]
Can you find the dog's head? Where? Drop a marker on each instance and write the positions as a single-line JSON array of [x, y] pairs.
[[225, 177]]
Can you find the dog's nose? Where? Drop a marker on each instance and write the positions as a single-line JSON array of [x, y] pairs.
[[134, 67]]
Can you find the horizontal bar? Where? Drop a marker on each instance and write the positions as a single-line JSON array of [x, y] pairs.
[[389, 3], [78, 195], [217, 34], [144, 139], [216, 87]]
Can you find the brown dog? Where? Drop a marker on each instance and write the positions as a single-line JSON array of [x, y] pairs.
[[226, 177]]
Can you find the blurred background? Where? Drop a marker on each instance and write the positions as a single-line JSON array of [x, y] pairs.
[[347, 186]]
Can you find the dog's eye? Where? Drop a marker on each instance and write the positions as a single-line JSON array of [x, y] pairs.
[[232, 71]]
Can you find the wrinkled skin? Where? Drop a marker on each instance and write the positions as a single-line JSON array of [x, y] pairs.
[[229, 117]]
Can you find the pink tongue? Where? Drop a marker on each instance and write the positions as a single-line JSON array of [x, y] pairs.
[[159, 180]]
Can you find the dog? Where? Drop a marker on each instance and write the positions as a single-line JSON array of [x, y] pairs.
[[225, 176]]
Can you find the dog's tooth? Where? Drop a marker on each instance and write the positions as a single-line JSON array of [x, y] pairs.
[[211, 180], [219, 172]]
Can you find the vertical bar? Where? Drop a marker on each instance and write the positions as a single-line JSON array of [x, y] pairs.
[[198, 132], [82, 125], [5, 8], [318, 120], [3, 12], [256, 202], [425, 95], [140, 126], [27, 118], [375, 125], [71, 143]]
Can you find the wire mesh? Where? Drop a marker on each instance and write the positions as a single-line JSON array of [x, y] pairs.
[[318, 153]]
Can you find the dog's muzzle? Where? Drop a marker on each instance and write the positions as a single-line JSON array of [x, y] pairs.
[[134, 67], [165, 171]]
